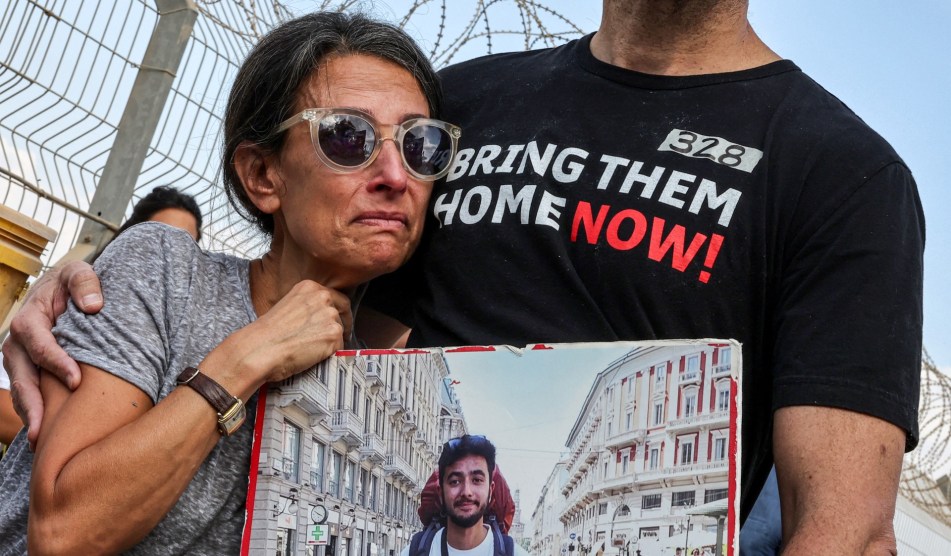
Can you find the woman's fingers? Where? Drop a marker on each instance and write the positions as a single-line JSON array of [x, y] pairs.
[[305, 327]]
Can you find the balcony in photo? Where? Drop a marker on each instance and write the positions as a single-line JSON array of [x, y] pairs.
[[695, 469], [395, 403], [625, 438], [346, 426], [373, 448], [618, 485], [409, 422], [699, 420], [306, 392], [690, 376], [398, 468]]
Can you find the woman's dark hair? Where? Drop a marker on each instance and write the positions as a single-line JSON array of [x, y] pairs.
[[466, 445], [266, 87], [161, 198]]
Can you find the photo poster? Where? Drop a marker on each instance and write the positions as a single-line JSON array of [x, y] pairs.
[[610, 449]]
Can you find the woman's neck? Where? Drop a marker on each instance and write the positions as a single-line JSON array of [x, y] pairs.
[[275, 273]]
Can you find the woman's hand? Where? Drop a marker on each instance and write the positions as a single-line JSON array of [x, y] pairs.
[[305, 327]]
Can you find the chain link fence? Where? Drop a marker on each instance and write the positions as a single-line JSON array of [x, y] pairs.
[[68, 71]]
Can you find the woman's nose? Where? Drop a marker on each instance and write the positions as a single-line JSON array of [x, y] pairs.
[[391, 173]]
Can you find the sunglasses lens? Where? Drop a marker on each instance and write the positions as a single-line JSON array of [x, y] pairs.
[[427, 149], [346, 139]]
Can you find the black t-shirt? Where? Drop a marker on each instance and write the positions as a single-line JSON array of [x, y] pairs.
[[593, 203]]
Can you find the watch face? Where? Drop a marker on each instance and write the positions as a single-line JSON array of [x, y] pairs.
[[318, 514], [233, 419]]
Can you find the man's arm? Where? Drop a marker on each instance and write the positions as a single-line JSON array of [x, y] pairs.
[[31, 344], [838, 477]]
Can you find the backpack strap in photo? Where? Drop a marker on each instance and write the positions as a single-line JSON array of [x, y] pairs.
[[422, 542], [504, 545]]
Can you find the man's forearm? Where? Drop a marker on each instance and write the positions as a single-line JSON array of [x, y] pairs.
[[838, 477]]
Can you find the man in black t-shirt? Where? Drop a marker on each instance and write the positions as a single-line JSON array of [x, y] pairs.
[[671, 177]]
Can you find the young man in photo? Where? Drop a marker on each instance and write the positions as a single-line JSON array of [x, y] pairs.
[[465, 472]]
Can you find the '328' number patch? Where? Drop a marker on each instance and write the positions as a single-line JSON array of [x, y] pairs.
[[717, 149]]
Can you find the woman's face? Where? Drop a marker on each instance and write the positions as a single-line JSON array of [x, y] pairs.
[[179, 218], [357, 225]]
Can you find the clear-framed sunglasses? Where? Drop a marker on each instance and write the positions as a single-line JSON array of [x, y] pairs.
[[347, 140]]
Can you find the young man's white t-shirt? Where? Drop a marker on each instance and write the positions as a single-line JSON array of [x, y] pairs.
[[485, 548]]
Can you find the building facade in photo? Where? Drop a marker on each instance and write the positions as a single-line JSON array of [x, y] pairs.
[[650, 445], [349, 445], [546, 519]]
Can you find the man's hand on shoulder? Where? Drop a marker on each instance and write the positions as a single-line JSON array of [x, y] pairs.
[[31, 344], [838, 477]]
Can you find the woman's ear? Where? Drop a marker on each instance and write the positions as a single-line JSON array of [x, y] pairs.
[[258, 172]]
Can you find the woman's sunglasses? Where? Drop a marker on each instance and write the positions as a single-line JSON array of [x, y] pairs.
[[347, 140]]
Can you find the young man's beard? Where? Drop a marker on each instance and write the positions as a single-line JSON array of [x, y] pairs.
[[467, 521]]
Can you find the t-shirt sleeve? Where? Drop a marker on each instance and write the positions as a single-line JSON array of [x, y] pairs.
[[145, 284], [849, 314]]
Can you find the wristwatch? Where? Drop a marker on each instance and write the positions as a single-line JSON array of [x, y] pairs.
[[231, 412]]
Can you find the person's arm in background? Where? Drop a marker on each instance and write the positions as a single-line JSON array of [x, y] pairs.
[[10, 423], [31, 345], [838, 474]]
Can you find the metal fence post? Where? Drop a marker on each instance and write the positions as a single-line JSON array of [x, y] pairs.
[[139, 120]]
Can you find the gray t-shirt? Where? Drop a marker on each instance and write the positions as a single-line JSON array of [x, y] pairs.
[[167, 305]]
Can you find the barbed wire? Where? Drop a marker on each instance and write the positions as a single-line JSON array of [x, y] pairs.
[[925, 476]]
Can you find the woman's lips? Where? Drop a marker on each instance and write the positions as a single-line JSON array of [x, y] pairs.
[[389, 220]]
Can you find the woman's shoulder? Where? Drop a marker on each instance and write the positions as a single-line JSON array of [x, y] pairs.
[[149, 238], [165, 265], [154, 249]]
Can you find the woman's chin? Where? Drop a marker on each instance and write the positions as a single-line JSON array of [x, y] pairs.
[[385, 266], [372, 268], [386, 256]]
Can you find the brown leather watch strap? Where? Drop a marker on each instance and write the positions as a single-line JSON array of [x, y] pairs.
[[217, 396]]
